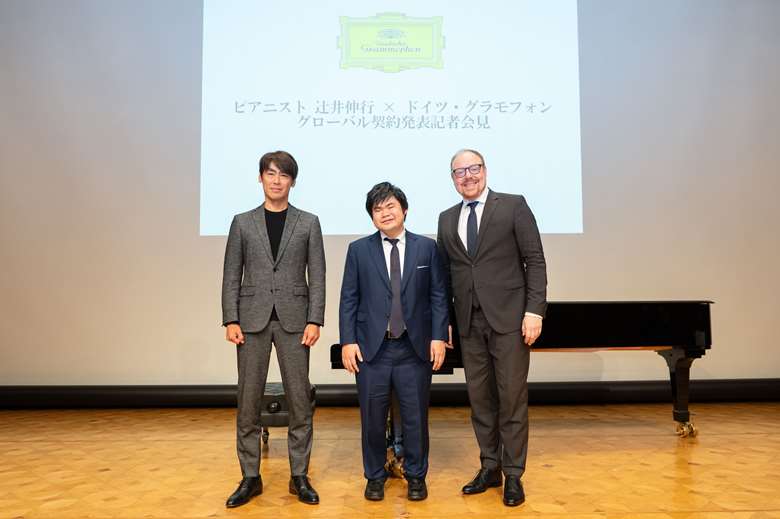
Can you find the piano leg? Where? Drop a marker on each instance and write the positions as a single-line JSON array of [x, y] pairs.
[[679, 374], [394, 465]]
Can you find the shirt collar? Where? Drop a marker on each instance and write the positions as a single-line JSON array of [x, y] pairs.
[[401, 237], [482, 198]]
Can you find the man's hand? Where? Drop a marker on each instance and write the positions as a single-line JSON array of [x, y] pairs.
[[233, 334], [310, 335], [449, 344], [532, 328], [350, 355], [438, 353]]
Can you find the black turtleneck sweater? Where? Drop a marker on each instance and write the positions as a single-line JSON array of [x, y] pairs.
[[274, 223]]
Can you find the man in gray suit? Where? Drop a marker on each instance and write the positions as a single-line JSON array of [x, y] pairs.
[[266, 299], [490, 246]]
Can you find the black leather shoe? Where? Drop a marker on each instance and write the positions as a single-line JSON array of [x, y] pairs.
[[484, 479], [375, 489], [416, 490], [300, 486], [247, 489], [513, 491]]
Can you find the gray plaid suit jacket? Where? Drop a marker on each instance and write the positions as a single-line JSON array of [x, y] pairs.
[[253, 283]]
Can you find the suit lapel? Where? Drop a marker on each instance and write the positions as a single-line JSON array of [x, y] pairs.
[[484, 223], [293, 215], [410, 252], [378, 255], [454, 220], [258, 216]]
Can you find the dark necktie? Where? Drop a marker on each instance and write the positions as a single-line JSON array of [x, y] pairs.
[[471, 229], [396, 311]]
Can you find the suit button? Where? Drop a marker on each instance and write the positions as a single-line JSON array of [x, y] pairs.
[[276, 269]]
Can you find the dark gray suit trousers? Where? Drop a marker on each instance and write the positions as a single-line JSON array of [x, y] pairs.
[[253, 358], [496, 366]]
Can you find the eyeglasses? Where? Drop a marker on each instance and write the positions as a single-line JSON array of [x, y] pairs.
[[474, 169]]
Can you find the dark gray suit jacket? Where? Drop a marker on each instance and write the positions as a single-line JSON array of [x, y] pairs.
[[253, 283], [508, 272]]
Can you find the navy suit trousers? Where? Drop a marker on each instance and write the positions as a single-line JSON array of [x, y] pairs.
[[396, 368]]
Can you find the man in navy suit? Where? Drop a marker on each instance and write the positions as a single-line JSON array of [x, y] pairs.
[[393, 321]]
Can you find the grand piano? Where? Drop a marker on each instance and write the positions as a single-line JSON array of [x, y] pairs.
[[679, 331]]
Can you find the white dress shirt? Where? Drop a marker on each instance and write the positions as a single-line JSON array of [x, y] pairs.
[[387, 247], [463, 222]]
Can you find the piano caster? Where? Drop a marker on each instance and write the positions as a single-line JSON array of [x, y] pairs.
[[685, 429], [394, 466], [265, 436]]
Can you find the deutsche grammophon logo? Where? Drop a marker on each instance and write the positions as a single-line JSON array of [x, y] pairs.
[[391, 42]]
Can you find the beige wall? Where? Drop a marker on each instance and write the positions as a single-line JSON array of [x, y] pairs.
[[105, 280]]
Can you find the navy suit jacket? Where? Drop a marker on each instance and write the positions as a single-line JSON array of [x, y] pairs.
[[366, 296]]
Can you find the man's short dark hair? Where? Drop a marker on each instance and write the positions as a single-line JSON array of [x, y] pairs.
[[283, 161], [381, 192]]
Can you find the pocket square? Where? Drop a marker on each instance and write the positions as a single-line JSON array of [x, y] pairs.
[[423, 266]]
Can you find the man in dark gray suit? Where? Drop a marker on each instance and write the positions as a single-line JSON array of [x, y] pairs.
[[490, 246], [266, 299]]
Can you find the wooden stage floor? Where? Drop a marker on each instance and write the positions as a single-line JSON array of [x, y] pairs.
[[584, 461]]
